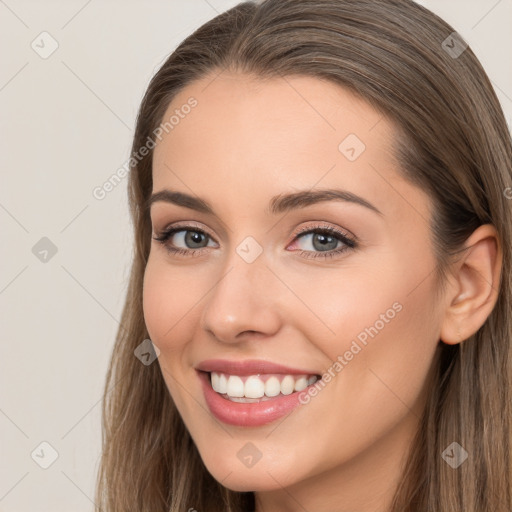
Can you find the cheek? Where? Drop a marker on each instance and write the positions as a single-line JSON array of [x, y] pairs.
[[397, 336], [167, 312], [404, 354], [163, 305], [381, 325], [173, 298], [334, 308]]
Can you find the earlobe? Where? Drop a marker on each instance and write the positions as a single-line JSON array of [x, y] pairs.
[[476, 286]]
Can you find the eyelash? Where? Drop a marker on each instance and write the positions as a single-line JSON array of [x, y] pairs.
[[320, 229]]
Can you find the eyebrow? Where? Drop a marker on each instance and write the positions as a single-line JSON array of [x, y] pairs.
[[278, 204]]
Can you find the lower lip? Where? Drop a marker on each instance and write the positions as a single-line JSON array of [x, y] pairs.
[[247, 414]]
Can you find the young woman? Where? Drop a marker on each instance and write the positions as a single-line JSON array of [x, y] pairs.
[[321, 194]]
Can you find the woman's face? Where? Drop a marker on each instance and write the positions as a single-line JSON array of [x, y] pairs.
[[248, 291]]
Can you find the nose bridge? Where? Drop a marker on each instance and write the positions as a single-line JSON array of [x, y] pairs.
[[241, 299]]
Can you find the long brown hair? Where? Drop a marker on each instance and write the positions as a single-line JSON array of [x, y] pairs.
[[452, 141]]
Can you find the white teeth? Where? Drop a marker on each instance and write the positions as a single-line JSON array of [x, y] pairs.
[[254, 387], [287, 385], [272, 387], [235, 386], [215, 382], [223, 384], [301, 383]]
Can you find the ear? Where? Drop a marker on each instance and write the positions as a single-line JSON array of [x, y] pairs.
[[474, 291]]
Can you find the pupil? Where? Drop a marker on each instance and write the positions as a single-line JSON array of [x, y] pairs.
[[195, 237], [325, 239]]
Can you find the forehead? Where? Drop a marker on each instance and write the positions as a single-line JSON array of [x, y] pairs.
[[275, 111], [258, 137]]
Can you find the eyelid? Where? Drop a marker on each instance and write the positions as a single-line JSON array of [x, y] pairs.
[[350, 241], [185, 226], [328, 227], [304, 229]]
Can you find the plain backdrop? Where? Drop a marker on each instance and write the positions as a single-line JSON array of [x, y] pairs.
[[67, 121]]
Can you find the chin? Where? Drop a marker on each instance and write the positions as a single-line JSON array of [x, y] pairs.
[[234, 476]]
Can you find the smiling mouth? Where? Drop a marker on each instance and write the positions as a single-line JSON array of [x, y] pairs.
[[259, 387]]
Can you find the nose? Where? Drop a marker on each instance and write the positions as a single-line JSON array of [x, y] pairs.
[[244, 303]]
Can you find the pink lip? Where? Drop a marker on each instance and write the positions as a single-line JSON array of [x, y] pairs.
[[248, 414], [249, 367]]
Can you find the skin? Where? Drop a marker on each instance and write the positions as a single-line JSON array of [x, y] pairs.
[[246, 141]]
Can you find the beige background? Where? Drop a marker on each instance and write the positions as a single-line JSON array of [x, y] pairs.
[[66, 123]]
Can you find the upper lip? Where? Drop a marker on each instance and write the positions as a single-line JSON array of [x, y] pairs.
[[249, 367]]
